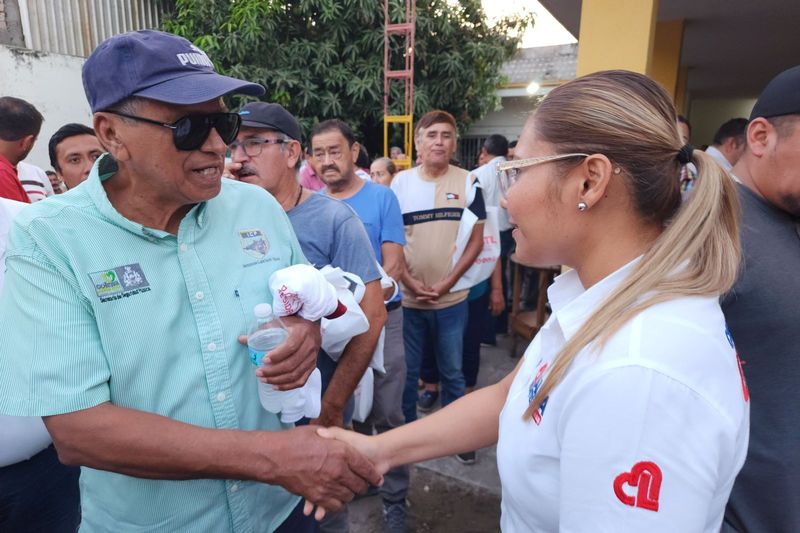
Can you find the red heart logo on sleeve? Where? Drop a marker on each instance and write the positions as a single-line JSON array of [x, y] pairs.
[[645, 476]]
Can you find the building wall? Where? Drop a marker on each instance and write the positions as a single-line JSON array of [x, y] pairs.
[[10, 23], [508, 120], [707, 115], [52, 83]]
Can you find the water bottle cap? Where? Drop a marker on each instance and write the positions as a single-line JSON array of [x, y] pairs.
[[262, 311]]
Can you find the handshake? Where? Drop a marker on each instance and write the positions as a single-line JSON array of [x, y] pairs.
[[326, 466]]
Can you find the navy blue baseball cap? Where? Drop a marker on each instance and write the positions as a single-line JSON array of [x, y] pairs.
[[156, 65]]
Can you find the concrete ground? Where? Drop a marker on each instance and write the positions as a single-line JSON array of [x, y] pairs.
[[445, 495]]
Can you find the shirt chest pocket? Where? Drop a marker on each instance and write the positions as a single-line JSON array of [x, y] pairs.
[[251, 289]]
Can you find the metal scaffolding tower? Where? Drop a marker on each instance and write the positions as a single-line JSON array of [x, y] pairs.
[[406, 76]]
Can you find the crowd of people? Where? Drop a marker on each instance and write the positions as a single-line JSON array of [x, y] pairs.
[[658, 395]]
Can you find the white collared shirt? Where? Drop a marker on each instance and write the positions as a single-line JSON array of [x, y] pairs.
[[720, 158], [647, 434], [487, 177]]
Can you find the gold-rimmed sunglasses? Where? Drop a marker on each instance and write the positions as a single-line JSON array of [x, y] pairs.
[[508, 171]]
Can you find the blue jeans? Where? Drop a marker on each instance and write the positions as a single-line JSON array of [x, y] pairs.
[[479, 323], [441, 332]]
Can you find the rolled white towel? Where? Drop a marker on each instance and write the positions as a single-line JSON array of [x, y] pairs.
[[302, 290]]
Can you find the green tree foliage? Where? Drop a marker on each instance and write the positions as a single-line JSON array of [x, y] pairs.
[[324, 58]]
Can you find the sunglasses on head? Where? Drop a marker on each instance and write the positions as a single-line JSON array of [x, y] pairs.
[[190, 132]]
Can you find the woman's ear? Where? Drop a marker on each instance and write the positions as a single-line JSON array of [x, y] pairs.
[[597, 172]]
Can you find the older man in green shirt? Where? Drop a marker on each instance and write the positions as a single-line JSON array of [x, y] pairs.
[[124, 306]]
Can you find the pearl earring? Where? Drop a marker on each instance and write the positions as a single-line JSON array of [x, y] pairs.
[[582, 206]]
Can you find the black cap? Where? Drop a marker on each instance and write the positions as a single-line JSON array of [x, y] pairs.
[[780, 97], [270, 116]]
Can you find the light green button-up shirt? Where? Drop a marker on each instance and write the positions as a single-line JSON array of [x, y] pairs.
[[97, 308]]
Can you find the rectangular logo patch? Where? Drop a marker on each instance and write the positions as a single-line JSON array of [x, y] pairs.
[[119, 282]]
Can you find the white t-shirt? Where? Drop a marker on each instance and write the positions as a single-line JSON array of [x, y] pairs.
[[21, 437], [645, 436]]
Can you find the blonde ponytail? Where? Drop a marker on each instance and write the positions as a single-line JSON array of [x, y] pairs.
[[697, 254]]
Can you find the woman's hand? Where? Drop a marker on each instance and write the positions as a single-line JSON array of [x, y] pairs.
[[364, 444]]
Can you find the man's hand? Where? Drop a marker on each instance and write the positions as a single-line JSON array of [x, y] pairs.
[[497, 303], [422, 292], [289, 365], [364, 445], [330, 415], [440, 288], [232, 170], [326, 472]]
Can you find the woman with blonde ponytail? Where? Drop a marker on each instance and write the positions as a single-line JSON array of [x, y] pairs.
[[628, 412]]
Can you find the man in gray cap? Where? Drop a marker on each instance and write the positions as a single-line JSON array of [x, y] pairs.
[[149, 273], [763, 313]]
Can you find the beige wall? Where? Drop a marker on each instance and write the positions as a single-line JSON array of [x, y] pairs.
[[707, 115], [52, 83], [508, 120]]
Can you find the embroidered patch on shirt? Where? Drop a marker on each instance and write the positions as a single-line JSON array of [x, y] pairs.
[[534, 388], [451, 196], [254, 243], [645, 477], [119, 282]]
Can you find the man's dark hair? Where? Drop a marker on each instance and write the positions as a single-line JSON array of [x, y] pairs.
[[735, 128], [684, 120], [496, 145], [18, 119], [64, 132], [333, 124], [512, 144]]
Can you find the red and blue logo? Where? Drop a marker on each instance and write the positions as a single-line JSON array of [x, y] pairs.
[[534, 388], [745, 390]]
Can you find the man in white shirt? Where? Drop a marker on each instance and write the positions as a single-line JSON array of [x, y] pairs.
[[729, 143], [496, 149], [38, 492], [35, 181]]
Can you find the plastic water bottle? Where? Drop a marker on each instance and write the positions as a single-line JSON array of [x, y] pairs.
[[267, 335]]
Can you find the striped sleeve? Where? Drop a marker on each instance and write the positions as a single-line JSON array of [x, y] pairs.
[[51, 358]]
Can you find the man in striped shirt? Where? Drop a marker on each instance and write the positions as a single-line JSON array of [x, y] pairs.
[[148, 273]]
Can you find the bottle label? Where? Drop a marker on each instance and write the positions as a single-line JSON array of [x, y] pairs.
[[256, 356]]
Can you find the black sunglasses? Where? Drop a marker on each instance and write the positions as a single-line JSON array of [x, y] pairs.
[[190, 132]]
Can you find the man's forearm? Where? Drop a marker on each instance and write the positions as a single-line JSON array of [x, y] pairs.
[[496, 280], [140, 444], [394, 263], [471, 252], [358, 352]]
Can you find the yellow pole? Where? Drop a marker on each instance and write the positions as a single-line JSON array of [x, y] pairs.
[[616, 34], [666, 60], [680, 94]]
